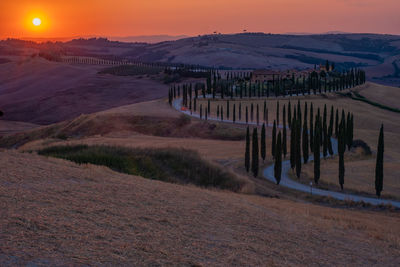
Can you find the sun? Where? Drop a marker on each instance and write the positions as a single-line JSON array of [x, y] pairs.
[[37, 21]]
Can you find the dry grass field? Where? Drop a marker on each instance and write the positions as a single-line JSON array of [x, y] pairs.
[[57, 212], [50, 207], [367, 120], [38, 91]]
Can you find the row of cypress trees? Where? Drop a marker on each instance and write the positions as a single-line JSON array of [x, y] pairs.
[[303, 140], [239, 87]]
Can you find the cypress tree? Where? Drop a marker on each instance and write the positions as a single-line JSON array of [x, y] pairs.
[[337, 123], [273, 146], [247, 152], [292, 145], [299, 112], [284, 115], [298, 146], [277, 112], [330, 130], [252, 112], [343, 121], [317, 154], [289, 115], [325, 133], [258, 115], [265, 110], [284, 142], [263, 143], [278, 160], [208, 107], [379, 164], [255, 152], [305, 142], [312, 127], [341, 149], [349, 137]]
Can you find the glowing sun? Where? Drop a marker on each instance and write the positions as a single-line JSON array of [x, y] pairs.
[[37, 21]]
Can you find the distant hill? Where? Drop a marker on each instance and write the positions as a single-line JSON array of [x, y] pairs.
[[151, 39], [379, 54]]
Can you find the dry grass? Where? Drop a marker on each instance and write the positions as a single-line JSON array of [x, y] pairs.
[[381, 94], [367, 124], [50, 207]]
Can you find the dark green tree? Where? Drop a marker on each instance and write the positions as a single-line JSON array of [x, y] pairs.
[[284, 141], [263, 143], [305, 142], [312, 127], [247, 152], [273, 145], [341, 149], [255, 153], [379, 164], [277, 112], [298, 146], [337, 123], [293, 144], [247, 114], [317, 154], [289, 115], [278, 159]]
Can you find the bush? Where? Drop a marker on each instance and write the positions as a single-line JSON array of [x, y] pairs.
[[170, 165], [363, 145]]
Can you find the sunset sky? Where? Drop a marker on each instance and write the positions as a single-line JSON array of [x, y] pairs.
[[193, 17]]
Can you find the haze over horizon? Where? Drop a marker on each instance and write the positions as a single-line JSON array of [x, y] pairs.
[[191, 18]]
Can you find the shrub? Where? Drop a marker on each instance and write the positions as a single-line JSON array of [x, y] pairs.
[[363, 145], [170, 165]]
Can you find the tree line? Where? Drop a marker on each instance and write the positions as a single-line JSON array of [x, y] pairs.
[[309, 134]]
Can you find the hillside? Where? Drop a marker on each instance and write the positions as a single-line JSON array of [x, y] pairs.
[[39, 91], [379, 54], [50, 207]]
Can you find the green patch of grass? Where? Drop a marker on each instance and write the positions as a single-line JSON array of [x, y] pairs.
[[132, 70], [170, 165]]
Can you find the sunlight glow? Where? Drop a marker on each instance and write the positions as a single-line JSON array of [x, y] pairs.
[[37, 21]]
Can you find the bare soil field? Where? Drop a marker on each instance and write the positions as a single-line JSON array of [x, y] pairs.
[[57, 212], [42, 92]]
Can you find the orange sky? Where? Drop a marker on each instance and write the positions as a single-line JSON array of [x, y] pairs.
[[191, 17]]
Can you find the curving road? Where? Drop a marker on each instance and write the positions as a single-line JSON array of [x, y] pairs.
[[268, 172]]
